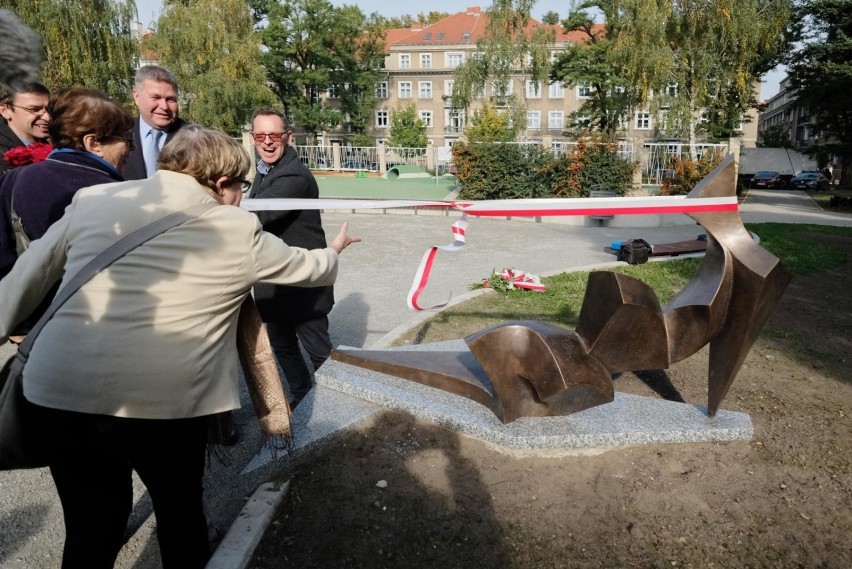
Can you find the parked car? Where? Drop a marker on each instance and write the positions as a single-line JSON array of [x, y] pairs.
[[767, 179], [810, 181]]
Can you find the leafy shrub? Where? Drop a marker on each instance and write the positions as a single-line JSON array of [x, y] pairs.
[[688, 172], [590, 166], [493, 171]]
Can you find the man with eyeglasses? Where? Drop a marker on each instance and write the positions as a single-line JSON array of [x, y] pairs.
[[291, 314], [155, 93], [25, 117]]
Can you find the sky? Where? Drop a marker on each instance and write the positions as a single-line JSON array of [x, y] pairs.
[[150, 9]]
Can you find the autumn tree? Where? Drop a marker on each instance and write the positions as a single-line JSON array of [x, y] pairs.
[[490, 125], [211, 47], [87, 43], [511, 42], [821, 77], [691, 56], [313, 48]]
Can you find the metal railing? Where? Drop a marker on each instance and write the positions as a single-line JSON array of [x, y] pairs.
[[657, 156]]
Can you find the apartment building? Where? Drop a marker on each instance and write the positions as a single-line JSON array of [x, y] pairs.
[[419, 70], [783, 111]]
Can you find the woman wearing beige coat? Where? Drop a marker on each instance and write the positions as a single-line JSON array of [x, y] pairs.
[[127, 372]]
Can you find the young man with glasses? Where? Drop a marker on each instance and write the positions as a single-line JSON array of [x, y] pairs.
[[291, 314], [25, 117]]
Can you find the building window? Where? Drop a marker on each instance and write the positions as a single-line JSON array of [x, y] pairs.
[[405, 89], [454, 60], [643, 120], [534, 119], [405, 61], [557, 91], [382, 90], [424, 89], [501, 89], [381, 119], [454, 120], [426, 117], [555, 120], [333, 91], [584, 91], [425, 60], [671, 89], [533, 89]]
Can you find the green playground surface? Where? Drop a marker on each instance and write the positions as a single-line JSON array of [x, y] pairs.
[[374, 187]]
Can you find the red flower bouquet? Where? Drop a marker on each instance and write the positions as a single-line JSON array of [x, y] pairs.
[[23, 155]]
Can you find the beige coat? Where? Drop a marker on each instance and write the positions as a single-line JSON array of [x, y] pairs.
[[154, 335]]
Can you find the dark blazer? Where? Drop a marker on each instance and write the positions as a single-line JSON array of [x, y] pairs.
[[289, 178], [8, 141], [134, 168]]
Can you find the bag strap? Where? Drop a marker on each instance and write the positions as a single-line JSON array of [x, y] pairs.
[[109, 255]]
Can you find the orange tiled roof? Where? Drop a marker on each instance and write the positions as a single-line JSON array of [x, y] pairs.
[[465, 28]]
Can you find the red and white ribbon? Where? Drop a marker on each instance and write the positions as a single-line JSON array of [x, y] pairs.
[[555, 207]]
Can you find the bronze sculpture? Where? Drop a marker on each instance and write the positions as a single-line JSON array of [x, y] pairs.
[[531, 369]]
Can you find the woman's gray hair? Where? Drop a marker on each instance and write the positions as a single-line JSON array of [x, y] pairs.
[[20, 52], [205, 154]]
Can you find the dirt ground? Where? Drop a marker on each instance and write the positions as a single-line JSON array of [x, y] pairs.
[[784, 499]]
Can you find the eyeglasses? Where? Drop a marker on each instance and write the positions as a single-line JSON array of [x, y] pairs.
[[32, 110], [273, 136], [245, 185], [128, 140]]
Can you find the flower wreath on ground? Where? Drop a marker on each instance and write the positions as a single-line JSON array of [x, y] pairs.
[[24, 155], [511, 279]]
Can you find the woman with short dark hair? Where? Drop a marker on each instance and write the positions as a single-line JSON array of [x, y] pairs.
[[91, 139]]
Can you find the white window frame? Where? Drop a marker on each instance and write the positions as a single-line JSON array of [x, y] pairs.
[[553, 123], [404, 90], [448, 87], [453, 59], [426, 117], [556, 91], [424, 90], [510, 88], [404, 61], [382, 118], [382, 90], [533, 89], [425, 61], [642, 120], [534, 120]]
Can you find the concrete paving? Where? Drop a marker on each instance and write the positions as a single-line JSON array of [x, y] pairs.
[[371, 290]]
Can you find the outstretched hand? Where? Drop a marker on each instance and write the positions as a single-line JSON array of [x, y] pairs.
[[343, 240]]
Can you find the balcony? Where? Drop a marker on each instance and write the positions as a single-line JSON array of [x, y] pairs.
[[453, 130]]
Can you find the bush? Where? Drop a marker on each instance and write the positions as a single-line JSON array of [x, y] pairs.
[[590, 166], [688, 172], [494, 171]]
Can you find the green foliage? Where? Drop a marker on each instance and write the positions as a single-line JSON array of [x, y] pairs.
[[421, 19], [490, 125], [362, 139], [776, 136], [492, 171], [551, 18], [688, 172], [508, 44], [406, 129], [87, 43], [313, 47], [592, 64], [217, 64], [821, 76], [590, 166], [696, 55]]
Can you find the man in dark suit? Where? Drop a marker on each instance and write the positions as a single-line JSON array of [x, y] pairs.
[[291, 314], [155, 93]]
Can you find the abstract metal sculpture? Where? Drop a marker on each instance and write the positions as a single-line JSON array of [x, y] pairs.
[[531, 369]]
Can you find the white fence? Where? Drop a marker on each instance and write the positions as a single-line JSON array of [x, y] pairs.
[[656, 165]]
